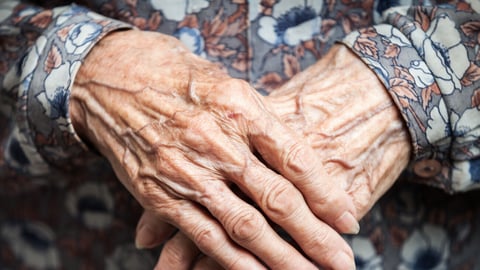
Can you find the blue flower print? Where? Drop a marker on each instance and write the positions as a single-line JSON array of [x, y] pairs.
[[92, 204], [69, 13], [294, 17], [32, 243], [466, 174], [291, 23], [55, 97], [475, 170], [59, 103], [426, 249], [366, 257], [192, 38], [81, 36]]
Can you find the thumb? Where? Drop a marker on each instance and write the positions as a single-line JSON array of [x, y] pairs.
[[152, 231]]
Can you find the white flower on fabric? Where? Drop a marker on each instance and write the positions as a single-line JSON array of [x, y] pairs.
[[93, 204], [33, 244], [467, 128], [464, 128], [438, 126], [475, 4], [254, 7], [54, 99], [31, 61], [461, 178], [365, 254], [81, 37], [426, 248], [129, 257], [445, 55], [393, 34], [192, 38], [466, 174], [67, 12], [291, 22], [176, 10], [421, 74]]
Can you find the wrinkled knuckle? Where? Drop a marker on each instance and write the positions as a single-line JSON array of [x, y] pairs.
[[281, 261], [151, 196], [175, 211], [212, 194], [281, 201], [325, 198], [233, 93], [207, 238], [299, 161], [246, 226], [239, 86], [235, 263], [320, 241]]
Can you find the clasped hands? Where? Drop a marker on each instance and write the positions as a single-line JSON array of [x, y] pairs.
[[182, 136]]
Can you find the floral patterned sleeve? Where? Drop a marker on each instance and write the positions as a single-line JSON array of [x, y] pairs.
[[428, 59], [40, 52]]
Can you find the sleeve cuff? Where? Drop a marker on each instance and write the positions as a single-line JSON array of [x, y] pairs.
[[48, 72], [408, 79], [423, 88]]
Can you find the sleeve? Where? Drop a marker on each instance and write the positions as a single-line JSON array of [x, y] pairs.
[[428, 59], [40, 53]]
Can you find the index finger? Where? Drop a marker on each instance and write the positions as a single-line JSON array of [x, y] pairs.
[[292, 157]]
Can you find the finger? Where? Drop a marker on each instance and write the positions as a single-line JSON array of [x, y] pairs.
[[239, 219], [246, 226], [198, 225], [178, 253], [206, 263], [209, 236], [284, 204], [250, 229], [281, 148], [152, 231]]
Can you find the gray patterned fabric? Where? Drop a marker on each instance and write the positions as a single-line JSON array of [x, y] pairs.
[[61, 207]]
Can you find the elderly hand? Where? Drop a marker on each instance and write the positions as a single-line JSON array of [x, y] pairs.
[[345, 113], [179, 132], [347, 116]]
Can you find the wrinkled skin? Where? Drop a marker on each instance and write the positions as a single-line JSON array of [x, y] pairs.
[[179, 133], [344, 112]]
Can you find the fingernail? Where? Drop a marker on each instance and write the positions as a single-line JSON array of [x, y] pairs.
[[144, 237], [342, 261], [347, 223]]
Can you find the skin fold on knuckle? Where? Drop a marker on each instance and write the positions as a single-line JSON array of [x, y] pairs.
[[321, 242], [245, 226], [208, 238], [299, 162], [331, 203], [152, 196], [236, 99], [280, 201], [323, 245], [212, 143]]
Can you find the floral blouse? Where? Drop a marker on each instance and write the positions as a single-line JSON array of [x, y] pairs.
[[61, 206]]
